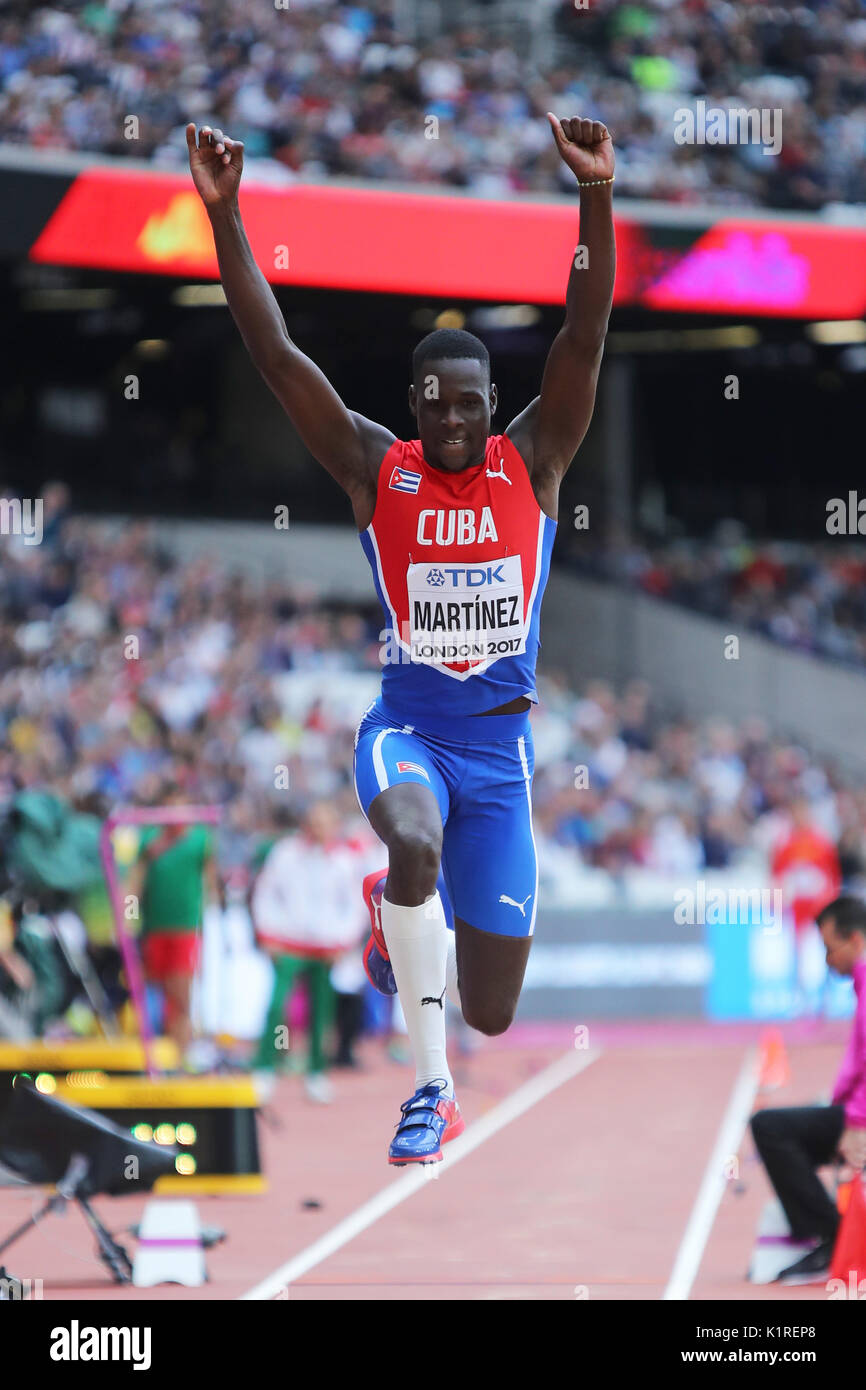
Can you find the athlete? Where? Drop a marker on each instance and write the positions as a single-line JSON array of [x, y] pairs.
[[458, 526]]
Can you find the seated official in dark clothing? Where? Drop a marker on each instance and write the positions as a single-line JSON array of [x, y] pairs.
[[795, 1141]]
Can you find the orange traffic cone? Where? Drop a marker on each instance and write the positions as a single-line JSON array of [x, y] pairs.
[[849, 1255], [774, 1068]]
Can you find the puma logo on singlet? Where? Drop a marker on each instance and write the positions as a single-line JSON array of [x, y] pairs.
[[431, 999], [502, 474], [504, 898]]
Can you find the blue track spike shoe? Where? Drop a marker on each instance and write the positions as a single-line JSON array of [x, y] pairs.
[[428, 1121], [377, 965]]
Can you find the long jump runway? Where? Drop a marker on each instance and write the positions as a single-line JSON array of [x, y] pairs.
[[597, 1173]]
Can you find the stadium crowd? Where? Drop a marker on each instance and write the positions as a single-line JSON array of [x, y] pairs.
[[122, 668], [811, 598], [319, 89]]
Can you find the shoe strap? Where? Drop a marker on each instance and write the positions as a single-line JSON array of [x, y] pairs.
[[425, 1104]]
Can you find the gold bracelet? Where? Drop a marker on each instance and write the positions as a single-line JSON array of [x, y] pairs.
[[596, 183]]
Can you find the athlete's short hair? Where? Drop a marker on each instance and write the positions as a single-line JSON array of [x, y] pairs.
[[447, 343], [847, 914]]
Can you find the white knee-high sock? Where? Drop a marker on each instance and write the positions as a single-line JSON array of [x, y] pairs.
[[417, 941], [451, 971]]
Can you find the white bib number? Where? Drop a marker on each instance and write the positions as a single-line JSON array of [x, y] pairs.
[[466, 612]]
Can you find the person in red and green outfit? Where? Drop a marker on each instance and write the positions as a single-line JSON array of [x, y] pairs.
[[175, 866], [307, 913]]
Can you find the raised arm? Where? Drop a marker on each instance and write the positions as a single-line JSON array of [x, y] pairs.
[[549, 432], [348, 445]]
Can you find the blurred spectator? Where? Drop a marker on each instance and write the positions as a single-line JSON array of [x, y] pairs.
[[805, 866], [307, 912], [175, 863], [16, 979]]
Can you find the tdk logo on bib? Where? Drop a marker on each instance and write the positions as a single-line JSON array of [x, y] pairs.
[[468, 578]]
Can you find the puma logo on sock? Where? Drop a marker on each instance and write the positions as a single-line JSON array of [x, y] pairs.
[[431, 999]]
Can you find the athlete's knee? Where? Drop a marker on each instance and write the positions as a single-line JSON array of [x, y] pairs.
[[415, 850], [416, 847], [491, 1017]]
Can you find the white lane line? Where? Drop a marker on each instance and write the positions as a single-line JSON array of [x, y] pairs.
[[515, 1105], [714, 1183]]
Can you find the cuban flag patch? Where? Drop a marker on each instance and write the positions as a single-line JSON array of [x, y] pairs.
[[404, 480], [413, 767]]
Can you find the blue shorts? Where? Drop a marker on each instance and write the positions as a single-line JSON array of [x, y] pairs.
[[489, 866]]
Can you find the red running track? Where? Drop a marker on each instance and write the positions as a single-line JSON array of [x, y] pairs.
[[587, 1193]]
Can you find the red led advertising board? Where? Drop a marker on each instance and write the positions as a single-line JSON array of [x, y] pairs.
[[464, 248]]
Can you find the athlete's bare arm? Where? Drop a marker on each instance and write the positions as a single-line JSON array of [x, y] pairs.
[[347, 444], [548, 433]]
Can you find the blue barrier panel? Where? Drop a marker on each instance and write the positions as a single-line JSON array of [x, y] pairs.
[[761, 971]]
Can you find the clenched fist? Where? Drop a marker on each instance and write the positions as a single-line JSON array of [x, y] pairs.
[[216, 164], [585, 146]]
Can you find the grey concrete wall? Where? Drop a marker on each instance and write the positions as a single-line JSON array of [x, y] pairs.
[[614, 963], [328, 559]]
